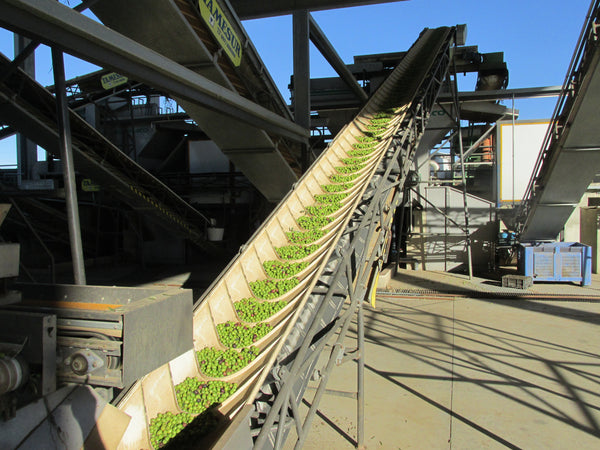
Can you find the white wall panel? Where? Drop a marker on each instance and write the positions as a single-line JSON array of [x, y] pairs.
[[516, 157]]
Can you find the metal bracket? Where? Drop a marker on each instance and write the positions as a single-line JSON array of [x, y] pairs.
[[84, 362], [40, 346], [281, 374], [317, 375], [339, 358]]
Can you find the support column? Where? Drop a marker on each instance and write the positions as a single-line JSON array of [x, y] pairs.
[[454, 87], [301, 48], [26, 149], [360, 377], [66, 155]]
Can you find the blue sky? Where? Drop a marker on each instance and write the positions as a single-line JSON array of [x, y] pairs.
[[537, 37]]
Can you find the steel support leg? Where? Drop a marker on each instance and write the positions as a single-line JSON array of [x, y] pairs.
[[346, 320], [463, 177], [360, 380], [66, 154]]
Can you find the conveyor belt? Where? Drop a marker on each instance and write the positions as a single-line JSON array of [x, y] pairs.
[[384, 135], [176, 29], [570, 155], [29, 108], [352, 270]]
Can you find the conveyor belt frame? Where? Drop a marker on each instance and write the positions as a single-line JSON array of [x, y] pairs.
[[357, 276]]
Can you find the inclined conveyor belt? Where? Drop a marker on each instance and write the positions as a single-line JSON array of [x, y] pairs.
[[177, 30], [570, 155], [342, 207], [350, 275], [31, 110]]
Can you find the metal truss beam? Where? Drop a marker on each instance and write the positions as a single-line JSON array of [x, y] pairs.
[[317, 36], [251, 9], [503, 94], [57, 25]]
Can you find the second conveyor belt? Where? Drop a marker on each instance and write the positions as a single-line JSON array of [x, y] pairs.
[[281, 265], [31, 110]]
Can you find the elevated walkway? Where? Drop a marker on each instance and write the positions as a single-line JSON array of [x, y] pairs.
[[570, 155], [30, 109]]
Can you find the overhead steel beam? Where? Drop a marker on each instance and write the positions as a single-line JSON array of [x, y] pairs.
[[26, 52], [57, 25], [504, 94], [328, 51], [301, 100], [251, 9]]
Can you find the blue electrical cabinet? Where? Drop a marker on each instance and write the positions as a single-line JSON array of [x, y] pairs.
[[556, 261]]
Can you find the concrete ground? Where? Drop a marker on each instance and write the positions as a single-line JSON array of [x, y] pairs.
[[449, 368]]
